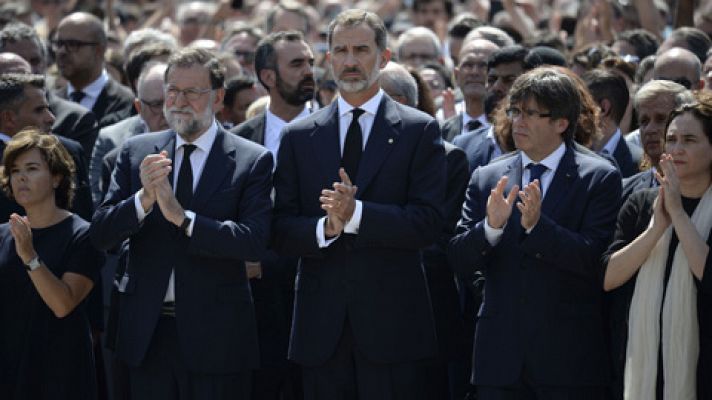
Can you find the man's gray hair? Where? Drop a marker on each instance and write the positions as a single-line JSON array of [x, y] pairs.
[[494, 35], [397, 81], [417, 32], [657, 88], [142, 37]]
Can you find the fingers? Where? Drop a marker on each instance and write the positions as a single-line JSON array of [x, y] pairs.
[[344, 177], [512, 194], [501, 184]]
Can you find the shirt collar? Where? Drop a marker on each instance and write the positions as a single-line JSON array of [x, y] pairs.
[[305, 112], [467, 118], [551, 161], [204, 142], [5, 138], [612, 143], [371, 106], [93, 89]]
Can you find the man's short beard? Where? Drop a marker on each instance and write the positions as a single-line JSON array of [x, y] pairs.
[[361, 84], [295, 97], [199, 123]]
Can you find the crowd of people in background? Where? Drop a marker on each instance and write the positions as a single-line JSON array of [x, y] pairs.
[[337, 199]]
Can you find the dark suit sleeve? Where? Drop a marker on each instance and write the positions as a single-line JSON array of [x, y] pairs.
[[579, 251], [417, 223], [294, 233], [245, 239], [116, 218], [102, 146], [469, 247]]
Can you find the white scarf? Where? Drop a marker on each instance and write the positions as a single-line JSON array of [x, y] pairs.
[[680, 334]]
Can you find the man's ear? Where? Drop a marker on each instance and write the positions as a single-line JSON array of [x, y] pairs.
[[385, 57], [560, 125], [269, 77], [8, 121], [219, 97], [605, 108]]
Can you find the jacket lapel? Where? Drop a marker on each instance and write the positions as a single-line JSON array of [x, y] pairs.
[[213, 172], [325, 144], [169, 145], [561, 184], [259, 131], [381, 140]]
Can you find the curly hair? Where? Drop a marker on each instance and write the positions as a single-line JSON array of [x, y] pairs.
[[59, 162]]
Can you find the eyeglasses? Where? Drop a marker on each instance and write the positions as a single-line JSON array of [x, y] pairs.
[[513, 113], [191, 94], [70, 44], [246, 56], [155, 106]]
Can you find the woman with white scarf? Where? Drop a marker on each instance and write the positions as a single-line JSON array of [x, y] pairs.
[[661, 251]]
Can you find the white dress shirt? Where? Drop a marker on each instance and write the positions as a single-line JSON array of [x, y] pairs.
[[612, 143], [497, 151], [551, 162], [91, 91], [197, 162], [366, 121], [273, 130]]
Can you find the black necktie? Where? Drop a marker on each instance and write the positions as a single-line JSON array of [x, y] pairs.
[[184, 187], [77, 96], [353, 146], [473, 124], [535, 172]]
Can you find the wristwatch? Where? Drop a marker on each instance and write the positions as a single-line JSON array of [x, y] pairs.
[[33, 264]]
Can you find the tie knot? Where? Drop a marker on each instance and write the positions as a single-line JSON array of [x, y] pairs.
[[473, 125], [77, 96], [357, 112], [188, 149], [536, 171]]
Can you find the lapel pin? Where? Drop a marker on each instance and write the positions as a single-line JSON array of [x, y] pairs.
[[390, 140]]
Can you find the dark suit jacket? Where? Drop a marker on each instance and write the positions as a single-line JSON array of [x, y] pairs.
[[627, 157], [115, 103], [214, 312], [452, 127], [252, 129], [449, 322], [477, 147], [110, 137], [542, 306], [73, 121], [81, 204], [641, 180], [374, 278]]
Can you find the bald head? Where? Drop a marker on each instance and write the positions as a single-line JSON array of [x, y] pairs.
[[150, 96], [478, 46], [12, 63], [681, 66], [87, 23]]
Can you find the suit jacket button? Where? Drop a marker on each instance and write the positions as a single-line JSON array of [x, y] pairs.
[[538, 255]]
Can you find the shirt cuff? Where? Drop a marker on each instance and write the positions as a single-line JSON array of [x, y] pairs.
[[355, 222], [189, 229], [321, 237], [140, 214], [493, 235]]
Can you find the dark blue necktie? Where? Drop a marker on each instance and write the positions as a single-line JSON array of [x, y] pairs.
[[473, 124], [535, 172], [77, 96], [353, 146], [184, 186]]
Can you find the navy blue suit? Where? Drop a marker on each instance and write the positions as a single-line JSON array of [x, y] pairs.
[[214, 315], [374, 278], [627, 156], [477, 146], [541, 314]]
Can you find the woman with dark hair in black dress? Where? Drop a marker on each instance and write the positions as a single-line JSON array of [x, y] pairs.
[[661, 256], [47, 268]]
